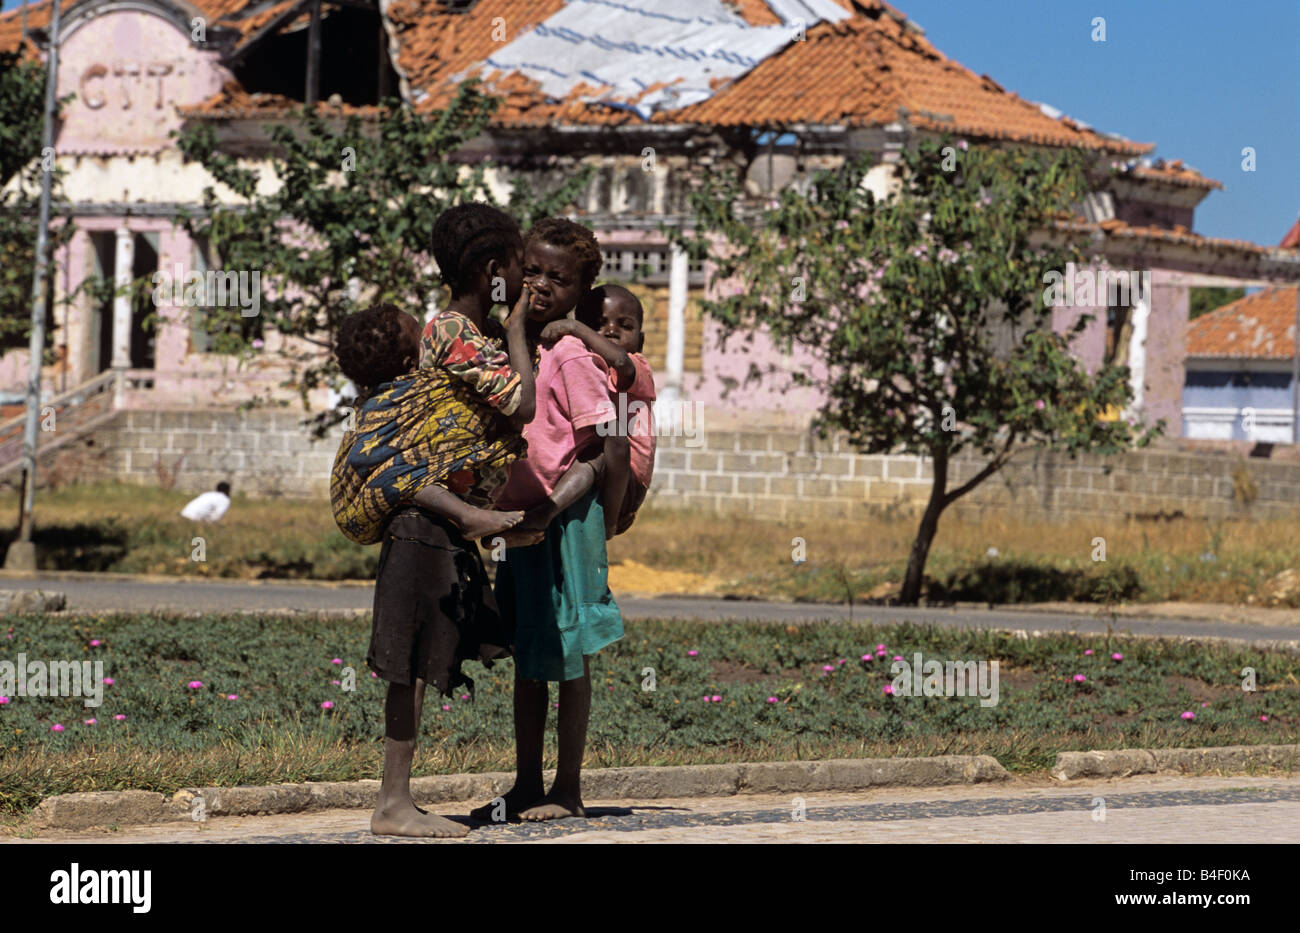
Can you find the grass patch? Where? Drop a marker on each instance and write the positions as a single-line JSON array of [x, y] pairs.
[[139, 530], [282, 669]]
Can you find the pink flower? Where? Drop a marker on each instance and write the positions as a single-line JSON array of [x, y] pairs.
[[258, 343], [717, 699], [1117, 656], [1203, 705], [94, 643], [828, 667], [705, 698], [3, 700], [1089, 651], [962, 145], [611, 687], [108, 681], [373, 674], [464, 696], [889, 689], [90, 722], [841, 225], [557, 705], [867, 657], [195, 684], [232, 696], [1188, 715], [1263, 719], [880, 647], [120, 716], [843, 661], [692, 653], [445, 707], [57, 727], [337, 661], [337, 683], [1079, 678], [773, 700], [898, 657], [327, 705]]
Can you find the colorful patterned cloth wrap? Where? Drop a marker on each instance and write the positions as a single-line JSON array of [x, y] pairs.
[[444, 424]]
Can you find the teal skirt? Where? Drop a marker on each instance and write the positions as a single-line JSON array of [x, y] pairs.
[[557, 593]]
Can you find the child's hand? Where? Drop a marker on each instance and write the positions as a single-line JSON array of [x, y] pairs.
[[557, 329], [519, 314]]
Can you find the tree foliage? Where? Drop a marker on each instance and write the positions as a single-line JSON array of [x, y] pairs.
[[340, 216], [924, 312], [22, 99]]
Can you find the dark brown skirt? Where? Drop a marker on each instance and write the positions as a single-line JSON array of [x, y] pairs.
[[433, 605]]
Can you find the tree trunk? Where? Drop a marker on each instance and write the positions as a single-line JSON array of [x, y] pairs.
[[911, 593]]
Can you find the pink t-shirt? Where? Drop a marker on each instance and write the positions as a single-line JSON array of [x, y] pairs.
[[641, 429], [572, 398]]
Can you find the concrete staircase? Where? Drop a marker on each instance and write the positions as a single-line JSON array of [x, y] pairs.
[[65, 418]]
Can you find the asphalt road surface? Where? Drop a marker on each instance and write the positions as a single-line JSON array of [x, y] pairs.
[[110, 593]]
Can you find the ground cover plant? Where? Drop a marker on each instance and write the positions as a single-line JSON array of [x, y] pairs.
[[257, 699]]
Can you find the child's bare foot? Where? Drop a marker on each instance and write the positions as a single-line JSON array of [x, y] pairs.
[[516, 799], [554, 807], [408, 820], [483, 523], [532, 529]]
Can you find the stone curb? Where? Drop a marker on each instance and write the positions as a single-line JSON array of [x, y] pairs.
[[32, 601], [1129, 761], [106, 808]]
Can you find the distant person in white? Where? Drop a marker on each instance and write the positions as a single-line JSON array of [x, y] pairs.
[[210, 506]]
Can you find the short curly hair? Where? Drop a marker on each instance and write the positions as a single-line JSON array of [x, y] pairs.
[[371, 347], [466, 237], [577, 239]]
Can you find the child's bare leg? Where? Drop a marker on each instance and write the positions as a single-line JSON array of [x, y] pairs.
[[396, 813], [473, 523], [573, 485], [565, 797], [531, 697]]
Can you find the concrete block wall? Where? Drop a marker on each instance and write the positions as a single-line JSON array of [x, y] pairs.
[[776, 474]]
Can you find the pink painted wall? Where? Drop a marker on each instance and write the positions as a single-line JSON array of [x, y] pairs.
[[130, 70]]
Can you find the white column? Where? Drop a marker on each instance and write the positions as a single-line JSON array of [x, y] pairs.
[[1137, 351], [668, 407], [123, 262]]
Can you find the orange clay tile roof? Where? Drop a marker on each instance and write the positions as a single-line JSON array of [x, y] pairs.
[[1292, 238], [871, 69], [1178, 234], [1259, 326], [868, 70], [1174, 173]]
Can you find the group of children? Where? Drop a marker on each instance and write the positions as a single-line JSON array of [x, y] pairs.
[[474, 429]]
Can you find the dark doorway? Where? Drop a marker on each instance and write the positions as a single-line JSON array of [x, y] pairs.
[[144, 316]]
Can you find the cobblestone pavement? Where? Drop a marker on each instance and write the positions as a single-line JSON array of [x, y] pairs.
[[1148, 809]]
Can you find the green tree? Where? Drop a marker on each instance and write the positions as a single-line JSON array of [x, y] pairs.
[[354, 202], [925, 312], [1204, 300], [22, 100]]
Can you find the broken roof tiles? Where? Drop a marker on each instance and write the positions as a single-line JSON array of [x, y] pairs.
[[860, 63]]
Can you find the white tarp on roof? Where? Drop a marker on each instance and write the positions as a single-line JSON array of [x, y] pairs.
[[628, 45]]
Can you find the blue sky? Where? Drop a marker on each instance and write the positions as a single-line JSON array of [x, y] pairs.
[[1200, 79]]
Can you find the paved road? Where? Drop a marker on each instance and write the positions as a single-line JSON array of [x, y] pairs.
[[118, 593], [1158, 809]]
